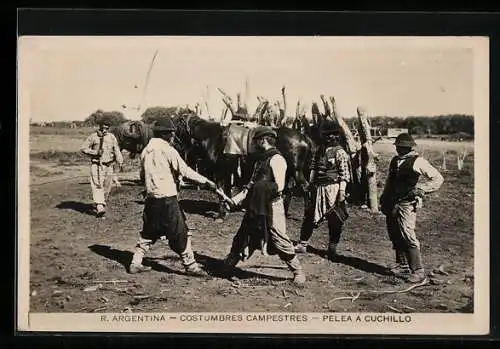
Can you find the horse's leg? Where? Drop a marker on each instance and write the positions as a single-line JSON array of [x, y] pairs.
[[238, 177], [288, 193], [302, 184]]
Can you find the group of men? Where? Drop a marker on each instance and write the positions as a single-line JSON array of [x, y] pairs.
[[264, 224]]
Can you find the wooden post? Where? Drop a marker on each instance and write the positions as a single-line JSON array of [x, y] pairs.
[[247, 91], [315, 113], [351, 144], [283, 95], [352, 148], [227, 102], [460, 159], [224, 114], [368, 158], [290, 122], [328, 111]]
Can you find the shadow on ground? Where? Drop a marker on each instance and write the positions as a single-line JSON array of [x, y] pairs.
[[355, 262], [214, 267], [201, 207], [81, 207], [125, 257]]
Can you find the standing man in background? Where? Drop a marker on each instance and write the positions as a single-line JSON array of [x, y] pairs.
[[103, 150], [401, 198], [328, 180]]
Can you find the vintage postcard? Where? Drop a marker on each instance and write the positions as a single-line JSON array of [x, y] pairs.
[[301, 185]]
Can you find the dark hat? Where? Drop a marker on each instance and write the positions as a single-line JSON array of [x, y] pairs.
[[405, 140], [164, 124], [262, 131]]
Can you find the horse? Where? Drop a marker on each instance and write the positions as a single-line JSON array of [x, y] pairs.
[[204, 140], [209, 139], [132, 136]]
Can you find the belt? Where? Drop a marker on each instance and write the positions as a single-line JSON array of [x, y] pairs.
[[103, 163]]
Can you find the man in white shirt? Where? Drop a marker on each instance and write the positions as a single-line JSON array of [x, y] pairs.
[[103, 150], [264, 224], [399, 201], [161, 165]]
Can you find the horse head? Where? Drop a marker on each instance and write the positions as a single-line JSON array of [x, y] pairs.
[[132, 136], [183, 127]]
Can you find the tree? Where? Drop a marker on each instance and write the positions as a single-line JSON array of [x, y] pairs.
[[153, 114], [115, 117]]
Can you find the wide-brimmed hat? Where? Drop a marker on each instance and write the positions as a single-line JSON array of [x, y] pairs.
[[262, 131], [405, 140], [164, 124]]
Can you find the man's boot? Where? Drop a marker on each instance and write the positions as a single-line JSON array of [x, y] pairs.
[[136, 265], [415, 261], [101, 210], [299, 277], [231, 260], [332, 251], [301, 247], [191, 267], [401, 268]]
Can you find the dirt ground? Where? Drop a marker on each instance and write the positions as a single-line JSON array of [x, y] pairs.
[[78, 262]]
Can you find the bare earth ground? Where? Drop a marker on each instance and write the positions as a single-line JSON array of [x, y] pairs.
[[75, 257]]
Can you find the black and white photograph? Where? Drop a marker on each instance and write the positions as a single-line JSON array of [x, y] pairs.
[[253, 184]]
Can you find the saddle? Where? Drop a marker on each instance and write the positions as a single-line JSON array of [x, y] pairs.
[[238, 138]]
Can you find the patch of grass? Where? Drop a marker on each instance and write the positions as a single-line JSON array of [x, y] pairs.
[[39, 171], [62, 157], [37, 130]]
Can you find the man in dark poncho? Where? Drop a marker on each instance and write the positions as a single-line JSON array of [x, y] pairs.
[[264, 224]]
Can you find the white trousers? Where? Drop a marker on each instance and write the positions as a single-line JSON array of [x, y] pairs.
[[101, 177]]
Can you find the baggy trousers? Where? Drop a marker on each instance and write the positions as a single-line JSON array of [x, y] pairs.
[[101, 178], [276, 235], [321, 203], [401, 224], [164, 217]]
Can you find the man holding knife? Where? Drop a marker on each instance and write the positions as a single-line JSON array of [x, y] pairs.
[[264, 224], [161, 165]]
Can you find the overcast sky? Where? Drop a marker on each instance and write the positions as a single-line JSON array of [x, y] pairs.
[[69, 78]]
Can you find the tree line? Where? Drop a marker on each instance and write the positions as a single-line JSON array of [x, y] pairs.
[[417, 125], [425, 125]]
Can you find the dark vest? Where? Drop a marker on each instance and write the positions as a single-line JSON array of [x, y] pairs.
[[263, 171], [326, 171], [264, 189], [403, 179]]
